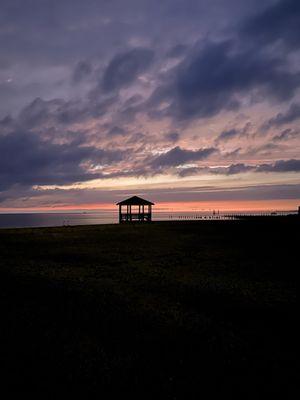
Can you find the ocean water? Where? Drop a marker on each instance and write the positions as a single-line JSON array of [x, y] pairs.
[[56, 219], [100, 217]]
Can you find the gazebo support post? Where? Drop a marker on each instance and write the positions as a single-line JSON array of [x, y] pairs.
[[137, 209]]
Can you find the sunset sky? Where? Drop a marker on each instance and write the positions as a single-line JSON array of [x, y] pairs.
[[192, 104]]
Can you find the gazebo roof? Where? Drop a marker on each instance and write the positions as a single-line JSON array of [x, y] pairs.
[[135, 201]]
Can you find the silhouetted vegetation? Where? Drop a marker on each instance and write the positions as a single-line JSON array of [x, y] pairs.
[[165, 310]]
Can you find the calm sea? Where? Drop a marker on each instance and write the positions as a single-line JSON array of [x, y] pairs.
[[92, 218]]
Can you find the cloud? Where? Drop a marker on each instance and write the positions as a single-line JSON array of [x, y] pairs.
[[285, 135], [277, 23], [57, 112], [177, 51], [236, 169], [79, 197], [184, 172], [38, 162], [178, 156], [291, 115], [213, 77], [280, 166], [233, 133], [227, 135], [172, 136], [116, 131], [82, 70], [124, 68], [240, 168]]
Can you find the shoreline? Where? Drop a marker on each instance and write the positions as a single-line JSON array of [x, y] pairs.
[[86, 220]]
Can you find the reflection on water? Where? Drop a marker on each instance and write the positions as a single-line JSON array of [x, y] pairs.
[[56, 219], [92, 218]]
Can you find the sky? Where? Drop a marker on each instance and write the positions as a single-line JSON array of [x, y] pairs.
[[192, 104]]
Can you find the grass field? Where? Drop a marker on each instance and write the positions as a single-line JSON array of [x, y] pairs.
[[167, 310]]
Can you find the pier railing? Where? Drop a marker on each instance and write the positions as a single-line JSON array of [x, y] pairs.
[[229, 216]]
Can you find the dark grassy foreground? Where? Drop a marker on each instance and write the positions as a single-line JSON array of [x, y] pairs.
[[167, 310]]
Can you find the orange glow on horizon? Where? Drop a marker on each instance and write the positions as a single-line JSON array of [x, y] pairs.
[[246, 205], [221, 205]]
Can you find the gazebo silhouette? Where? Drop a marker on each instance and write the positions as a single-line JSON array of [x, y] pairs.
[[135, 210]]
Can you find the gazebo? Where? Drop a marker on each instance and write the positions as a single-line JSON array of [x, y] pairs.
[[136, 209]]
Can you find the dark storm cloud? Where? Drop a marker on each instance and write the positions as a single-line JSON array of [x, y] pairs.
[[232, 169], [40, 111], [27, 160], [172, 136], [207, 81], [82, 70], [57, 31], [291, 115], [116, 131], [6, 125], [178, 156], [124, 68], [286, 134], [266, 149], [59, 111], [229, 134], [279, 22], [237, 169], [233, 133], [177, 51], [212, 78], [280, 166], [192, 171], [232, 154], [240, 168]]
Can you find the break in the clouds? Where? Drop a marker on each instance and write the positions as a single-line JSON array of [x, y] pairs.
[[100, 95]]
